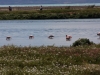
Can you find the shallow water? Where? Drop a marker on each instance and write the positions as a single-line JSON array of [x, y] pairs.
[[20, 30]]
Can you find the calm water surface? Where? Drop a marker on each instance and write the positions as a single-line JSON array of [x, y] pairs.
[[20, 30]]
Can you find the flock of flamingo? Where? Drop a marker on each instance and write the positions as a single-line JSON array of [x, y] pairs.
[[68, 37]]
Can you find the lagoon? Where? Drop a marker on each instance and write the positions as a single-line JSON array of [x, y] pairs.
[[20, 30]]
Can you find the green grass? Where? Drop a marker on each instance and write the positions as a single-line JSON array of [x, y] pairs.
[[51, 14], [50, 60]]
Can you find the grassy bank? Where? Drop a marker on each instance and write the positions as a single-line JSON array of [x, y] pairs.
[[50, 60], [59, 13]]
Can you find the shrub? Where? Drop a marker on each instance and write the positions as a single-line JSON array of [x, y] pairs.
[[82, 42]]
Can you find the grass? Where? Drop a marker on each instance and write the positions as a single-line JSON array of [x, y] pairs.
[[51, 14], [50, 60]]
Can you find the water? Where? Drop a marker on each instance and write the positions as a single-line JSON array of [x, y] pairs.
[[20, 30], [69, 4]]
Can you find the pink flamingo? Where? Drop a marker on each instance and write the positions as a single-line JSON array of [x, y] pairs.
[[50, 37], [98, 34], [8, 38], [31, 37], [68, 37]]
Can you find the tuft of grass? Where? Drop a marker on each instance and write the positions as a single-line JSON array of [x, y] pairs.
[[82, 42]]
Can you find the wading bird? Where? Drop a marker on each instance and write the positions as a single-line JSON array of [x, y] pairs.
[[31, 37], [68, 37], [8, 38], [98, 34], [50, 37]]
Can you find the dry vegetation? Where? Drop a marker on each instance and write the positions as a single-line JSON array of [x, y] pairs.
[[50, 60]]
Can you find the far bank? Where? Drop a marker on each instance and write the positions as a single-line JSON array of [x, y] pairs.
[[50, 12]]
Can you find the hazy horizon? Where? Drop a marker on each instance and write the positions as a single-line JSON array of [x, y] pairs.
[[18, 2]]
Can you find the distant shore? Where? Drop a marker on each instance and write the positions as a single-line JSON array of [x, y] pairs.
[[47, 7], [50, 12]]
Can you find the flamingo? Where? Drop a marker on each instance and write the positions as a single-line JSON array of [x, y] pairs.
[[98, 34], [8, 38], [68, 37], [50, 37], [31, 36]]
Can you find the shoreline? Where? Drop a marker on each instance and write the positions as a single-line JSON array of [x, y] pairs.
[[49, 12], [48, 7]]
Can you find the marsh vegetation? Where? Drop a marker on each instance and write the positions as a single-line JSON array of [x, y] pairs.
[[50, 60], [51, 13]]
